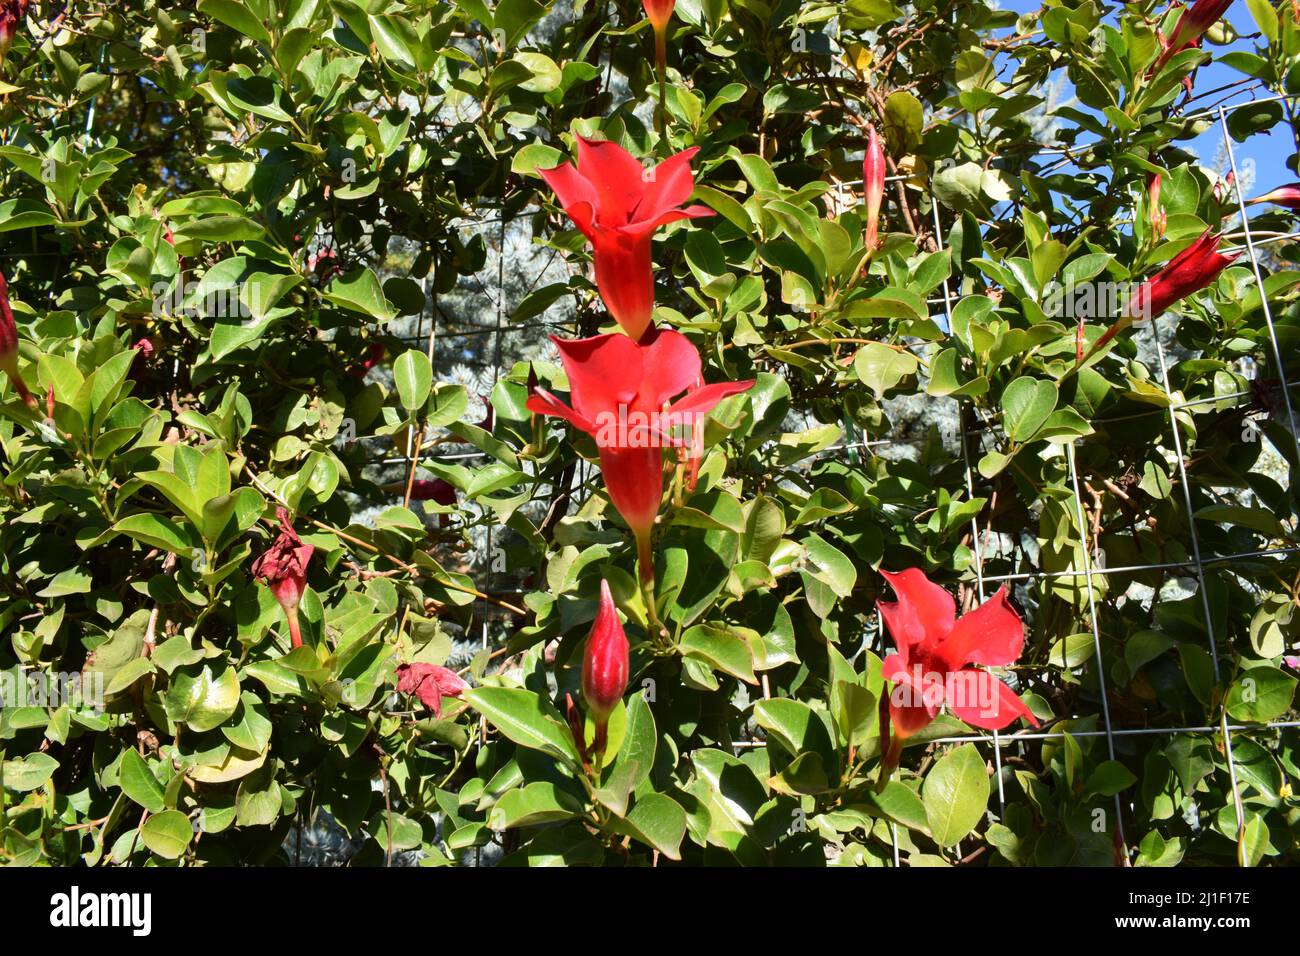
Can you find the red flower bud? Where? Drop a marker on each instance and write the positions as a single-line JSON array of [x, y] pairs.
[[873, 178], [1191, 25], [1288, 196], [1190, 271], [430, 683], [284, 568], [659, 12], [9, 345], [605, 661]]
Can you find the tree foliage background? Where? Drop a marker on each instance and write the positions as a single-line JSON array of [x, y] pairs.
[[271, 192]]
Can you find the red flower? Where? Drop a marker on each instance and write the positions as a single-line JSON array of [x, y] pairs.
[[11, 13], [430, 683], [433, 490], [1191, 26], [605, 661], [619, 390], [938, 655], [1190, 271], [618, 205], [1288, 196], [873, 178], [284, 568], [659, 12], [9, 345], [374, 355]]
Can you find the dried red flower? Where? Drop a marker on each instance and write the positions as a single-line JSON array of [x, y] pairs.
[[430, 683], [284, 568]]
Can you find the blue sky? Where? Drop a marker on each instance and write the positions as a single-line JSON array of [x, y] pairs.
[[1268, 151]]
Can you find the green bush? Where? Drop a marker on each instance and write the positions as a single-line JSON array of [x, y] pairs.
[[252, 247]]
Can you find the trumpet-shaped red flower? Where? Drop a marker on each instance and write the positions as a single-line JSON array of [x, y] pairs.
[[1288, 196], [938, 656], [873, 178], [1190, 271], [1195, 20], [618, 204], [9, 345], [430, 683], [620, 392], [284, 568], [605, 660], [659, 12]]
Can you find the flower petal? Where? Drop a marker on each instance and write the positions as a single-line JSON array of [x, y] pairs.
[[650, 225], [923, 612], [992, 634], [670, 365], [576, 194], [618, 179], [702, 400], [979, 699], [670, 184], [542, 402], [604, 372]]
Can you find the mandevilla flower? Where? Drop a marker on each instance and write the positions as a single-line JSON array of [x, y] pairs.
[[430, 683], [1190, 271], [1288, 196], [659, 12], [939, 657], [604, 665], [11, 13], [619, 390], [1192, 24], [284, 568], [9, 345], [873, 178], [618, 204]]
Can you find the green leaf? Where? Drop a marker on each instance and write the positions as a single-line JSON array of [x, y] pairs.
[[955, 794], [236, 16], [360, 292], [881, 367], [1110, 778], [1260, 694], [520, 716], [413, 376], [139, 783], [27, 773], [167, 834], [1026, 404], [200, 699], [540, 802], [721, 648], [658, 821]]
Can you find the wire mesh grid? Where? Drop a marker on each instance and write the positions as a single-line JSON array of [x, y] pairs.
[[1089, 571]]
